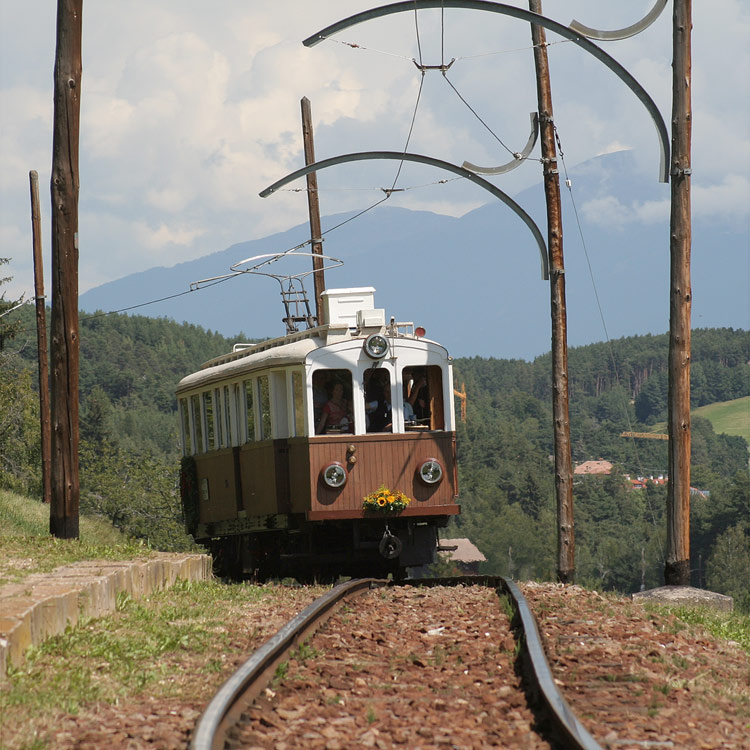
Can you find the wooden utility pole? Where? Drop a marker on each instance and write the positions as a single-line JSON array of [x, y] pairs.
[[64, 187], [313, 207], [677, 568], [563, 460], [41, 335]]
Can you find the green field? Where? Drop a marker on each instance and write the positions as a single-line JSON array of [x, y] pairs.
[[729, 417]]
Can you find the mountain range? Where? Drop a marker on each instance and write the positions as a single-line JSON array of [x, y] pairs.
[[474, 282]]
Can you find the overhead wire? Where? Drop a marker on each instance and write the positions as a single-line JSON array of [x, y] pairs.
[[476, 114], [388, 191]]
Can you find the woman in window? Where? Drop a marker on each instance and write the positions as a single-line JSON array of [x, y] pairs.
[[337, 413]]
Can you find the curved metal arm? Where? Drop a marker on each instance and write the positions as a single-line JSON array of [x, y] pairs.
[[400, 156], [628, 31], [528, 17], [517, 158]]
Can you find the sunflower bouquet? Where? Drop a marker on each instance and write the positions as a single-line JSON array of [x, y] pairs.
[[386, 501]]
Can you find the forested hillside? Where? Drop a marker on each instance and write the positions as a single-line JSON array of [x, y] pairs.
[[506, 468], [129, 452]]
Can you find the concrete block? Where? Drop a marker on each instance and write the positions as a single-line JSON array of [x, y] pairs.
[[43, 605], [686, 596]]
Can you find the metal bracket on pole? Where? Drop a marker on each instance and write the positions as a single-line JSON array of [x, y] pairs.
[[527, 16], [420, 159], [517, 157], [628, 31]]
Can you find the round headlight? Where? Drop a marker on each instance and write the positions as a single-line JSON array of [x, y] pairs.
[[334, 475], [431, 472], [376, 346]]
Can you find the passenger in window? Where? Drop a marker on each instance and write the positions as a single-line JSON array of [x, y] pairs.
[[381, 418], [378, 401], [410, 418], [320, 398], [337, 413], [419, 398]]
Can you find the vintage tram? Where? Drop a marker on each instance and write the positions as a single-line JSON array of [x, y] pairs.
[[282, 441]]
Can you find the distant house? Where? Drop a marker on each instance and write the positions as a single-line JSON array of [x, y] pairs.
[[594, 467], [463, 554], [640, 483]]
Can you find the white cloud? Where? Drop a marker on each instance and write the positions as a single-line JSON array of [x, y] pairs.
[[727, 200], [611, 213], [189, 109], [160, 237]]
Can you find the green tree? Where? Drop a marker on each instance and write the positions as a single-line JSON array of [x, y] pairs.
[[20, 446], [728, 569], [8, 328]]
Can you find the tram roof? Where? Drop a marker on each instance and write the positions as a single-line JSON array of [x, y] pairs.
[[291, 353]]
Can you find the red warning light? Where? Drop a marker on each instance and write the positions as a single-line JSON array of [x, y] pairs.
[[419, 332]]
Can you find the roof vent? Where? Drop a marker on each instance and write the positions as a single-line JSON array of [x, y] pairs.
[[371, 318], [343, 305]]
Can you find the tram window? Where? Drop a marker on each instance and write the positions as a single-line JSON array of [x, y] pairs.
[[249, 410], [423, 398], [238, 409], [227, 404], [332, 401], [264, 408], [198, 422], [221, 429], [298, 393], [378, 399], [208, 404], [187, 447]]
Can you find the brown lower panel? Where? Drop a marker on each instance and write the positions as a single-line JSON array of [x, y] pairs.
[[432, 510]]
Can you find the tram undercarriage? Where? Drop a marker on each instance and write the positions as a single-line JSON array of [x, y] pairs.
[[323, 551]]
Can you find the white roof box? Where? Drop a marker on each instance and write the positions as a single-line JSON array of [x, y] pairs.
[[342, 305]]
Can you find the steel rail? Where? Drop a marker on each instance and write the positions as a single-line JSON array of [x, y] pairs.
[[524, 15], [247, 682]]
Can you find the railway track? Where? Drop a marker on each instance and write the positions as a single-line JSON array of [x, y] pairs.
[[410, 665]]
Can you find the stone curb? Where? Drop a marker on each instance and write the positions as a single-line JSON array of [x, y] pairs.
[[685, 596], [44, 604]]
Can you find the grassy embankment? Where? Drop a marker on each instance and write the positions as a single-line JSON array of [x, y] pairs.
[[178, 645], [175, 645]]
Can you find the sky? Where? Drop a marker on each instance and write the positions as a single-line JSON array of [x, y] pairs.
[[189, 109]]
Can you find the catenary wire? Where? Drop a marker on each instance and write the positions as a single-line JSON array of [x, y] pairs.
[[476, 114]]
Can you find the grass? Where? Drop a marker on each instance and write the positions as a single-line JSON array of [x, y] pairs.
[[730, 626], [172, 646], [729, 417], [26, 546]]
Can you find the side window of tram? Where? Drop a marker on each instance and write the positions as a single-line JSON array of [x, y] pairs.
[[423, 398], [264, 408], [220, 426], [208, 405], [378, 398], [227, 417], [195, 404], [298, 394], [250, 410], [332, 401], [187, 445]]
